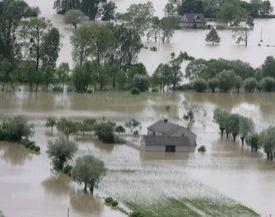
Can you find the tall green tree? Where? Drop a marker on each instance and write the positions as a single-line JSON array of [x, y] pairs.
[[41, 41], [126, 47], [139, 16], [167, 26], [11, 15], [231, 12]]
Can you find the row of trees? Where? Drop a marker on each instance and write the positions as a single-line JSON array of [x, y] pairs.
[[238, 125], [226, 75], [105, 130]]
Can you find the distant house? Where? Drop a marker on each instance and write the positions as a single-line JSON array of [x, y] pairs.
[[192, 20], [168, 137]]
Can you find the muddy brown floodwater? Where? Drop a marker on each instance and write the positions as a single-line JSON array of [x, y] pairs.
[[29, 188]]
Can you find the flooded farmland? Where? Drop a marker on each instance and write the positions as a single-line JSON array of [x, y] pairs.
[[225, 171]]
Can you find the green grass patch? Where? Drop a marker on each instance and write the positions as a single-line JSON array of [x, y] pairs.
[[191, 207]]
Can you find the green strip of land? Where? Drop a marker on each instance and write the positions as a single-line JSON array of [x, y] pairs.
[[191, 207]]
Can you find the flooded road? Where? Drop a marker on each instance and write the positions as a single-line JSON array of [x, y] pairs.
[[224, 171], [191, 41]]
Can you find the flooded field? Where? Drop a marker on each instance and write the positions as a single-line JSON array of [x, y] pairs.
[[224, 172]]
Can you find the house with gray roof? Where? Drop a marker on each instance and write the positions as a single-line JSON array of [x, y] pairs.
[[192, 20], [168, 137]]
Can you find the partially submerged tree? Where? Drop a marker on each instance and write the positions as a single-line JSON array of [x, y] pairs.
[[246, 126], [132, 124], [267, 141], [67, 127], [212, 37], [105, 132], [51, 122], [15, 129], [252, 140], [60, 152], [89, 171], [240, 35], [221, 118], [213, 84]]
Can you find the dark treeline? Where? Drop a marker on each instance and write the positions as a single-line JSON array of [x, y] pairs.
[[238, 125], [225, 75], [230, 11]]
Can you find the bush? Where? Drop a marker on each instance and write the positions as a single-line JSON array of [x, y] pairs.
[[105, 132], [250, 84], [135, 91], [108, 200], [135, 214], [202, 149], [37, 149], [154, 48], [114, 203], [200, 85], [136, 133], [120, 129], [14, 129], [30, 145]]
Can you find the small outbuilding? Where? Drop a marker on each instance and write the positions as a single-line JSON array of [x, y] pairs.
[[192, 20], [164, 136]]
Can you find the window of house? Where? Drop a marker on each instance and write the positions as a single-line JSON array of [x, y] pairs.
[[170, 148]]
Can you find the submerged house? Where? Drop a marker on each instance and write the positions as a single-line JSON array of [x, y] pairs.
[[164, 136], [192, 20]]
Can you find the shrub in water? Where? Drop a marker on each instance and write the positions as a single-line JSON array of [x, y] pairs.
[[135, 91], [202, 149], [114, 203], [108, 200], [135, 214], [37, 149]]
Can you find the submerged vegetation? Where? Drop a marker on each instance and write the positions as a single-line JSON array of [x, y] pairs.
[[227, 75], [238, 125]]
